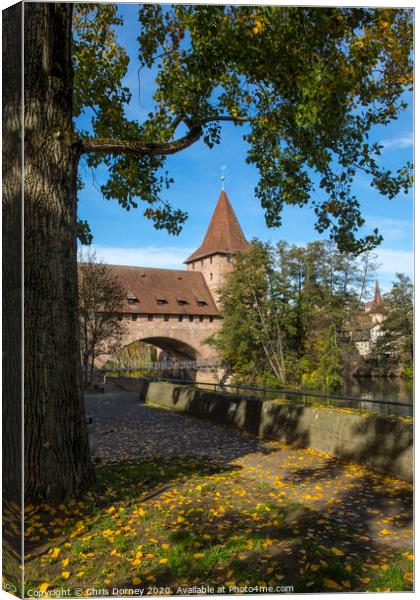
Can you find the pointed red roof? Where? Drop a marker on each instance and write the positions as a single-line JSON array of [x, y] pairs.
[[377, 300], [224, 234]]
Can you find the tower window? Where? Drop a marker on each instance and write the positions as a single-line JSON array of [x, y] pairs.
[[193, 266], [134, 317], [180, 318], [211, 276], [166, 318], [191, 318], [201, 318], [150, 317], [211, 319], [211, 260], [229, 258]]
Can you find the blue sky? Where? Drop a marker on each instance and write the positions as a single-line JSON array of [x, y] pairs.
[[129, 238]]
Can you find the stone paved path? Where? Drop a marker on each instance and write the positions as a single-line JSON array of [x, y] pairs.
[[378, 507]]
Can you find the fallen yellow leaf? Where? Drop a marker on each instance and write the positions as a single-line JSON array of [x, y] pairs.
[[44, 587], [65, 574], [330, 583]]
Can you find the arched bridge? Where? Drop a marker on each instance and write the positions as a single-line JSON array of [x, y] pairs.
[[183, 338]]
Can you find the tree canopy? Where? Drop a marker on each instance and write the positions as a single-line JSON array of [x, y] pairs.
[[306, 84], [291, 315]]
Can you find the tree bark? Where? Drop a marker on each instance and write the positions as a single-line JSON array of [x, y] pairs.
[[57, 459], [12, 299], [12, 252]]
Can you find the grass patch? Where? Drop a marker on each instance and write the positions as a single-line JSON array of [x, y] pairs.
[[186, 522]]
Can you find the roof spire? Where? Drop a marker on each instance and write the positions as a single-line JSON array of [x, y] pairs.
[[223, 177], [377, 298], [224, 234]]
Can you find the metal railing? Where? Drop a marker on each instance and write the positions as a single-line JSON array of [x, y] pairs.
[[302, 396], [167, 365]]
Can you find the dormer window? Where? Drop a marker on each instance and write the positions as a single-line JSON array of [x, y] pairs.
[[161, 301], [182, 302], [201, 302], [132, 298]]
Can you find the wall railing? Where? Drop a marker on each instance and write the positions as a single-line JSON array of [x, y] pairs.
[[302, 397]]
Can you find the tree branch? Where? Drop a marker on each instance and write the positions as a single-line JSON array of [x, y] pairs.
[[115, 146]]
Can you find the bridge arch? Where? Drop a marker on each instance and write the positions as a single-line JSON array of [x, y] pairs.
[[172, 346], [180, 337]]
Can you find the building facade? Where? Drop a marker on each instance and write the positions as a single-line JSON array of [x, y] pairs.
[[177, 310]]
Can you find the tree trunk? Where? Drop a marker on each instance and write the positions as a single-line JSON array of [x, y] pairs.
[[57, 459], [12, 253], [92, 366], [12, 299], [85, 371]]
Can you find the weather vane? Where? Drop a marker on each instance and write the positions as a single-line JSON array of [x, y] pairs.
[[223, 177]]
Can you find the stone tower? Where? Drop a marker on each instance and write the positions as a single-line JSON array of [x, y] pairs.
[[223, 240]]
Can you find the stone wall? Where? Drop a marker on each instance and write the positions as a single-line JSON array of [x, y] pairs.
[[383, 444], [130, 384], [214, 269]]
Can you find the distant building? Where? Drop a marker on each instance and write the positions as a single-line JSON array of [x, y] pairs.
[[366, 328]]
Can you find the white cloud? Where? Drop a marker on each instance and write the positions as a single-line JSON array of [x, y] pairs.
[[395, 261], [391, 229], [405, 141], [147, 256]]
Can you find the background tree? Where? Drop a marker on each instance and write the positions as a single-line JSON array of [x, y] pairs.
[[250, 340], [368, 267], [287, 312], [309, 83], [101, 298], [134, 356], [395, 349]]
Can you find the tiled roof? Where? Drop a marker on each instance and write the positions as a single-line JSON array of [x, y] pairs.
[[165, 291], [224, 234]]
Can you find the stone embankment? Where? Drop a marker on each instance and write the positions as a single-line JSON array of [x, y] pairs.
[[383, 444]]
